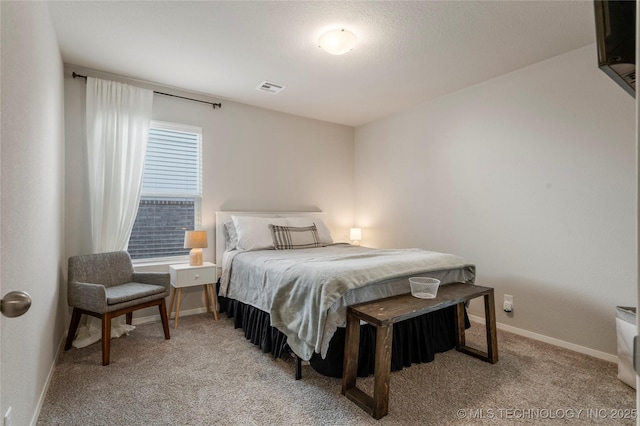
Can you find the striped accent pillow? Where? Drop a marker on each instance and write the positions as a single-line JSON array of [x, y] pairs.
[[292, 237]]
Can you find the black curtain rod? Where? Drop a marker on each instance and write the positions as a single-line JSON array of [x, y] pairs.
[[215, 105]]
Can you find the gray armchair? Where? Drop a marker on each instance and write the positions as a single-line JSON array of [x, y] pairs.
[[105, 286]]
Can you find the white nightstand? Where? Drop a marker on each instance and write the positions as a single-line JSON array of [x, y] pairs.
[[186, 275]]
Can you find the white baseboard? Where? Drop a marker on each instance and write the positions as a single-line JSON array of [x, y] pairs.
[[156, 318], [536, 336], [540, 337], [47, 382], [551, 340]]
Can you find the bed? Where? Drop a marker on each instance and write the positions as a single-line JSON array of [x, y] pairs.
[[287, 284]]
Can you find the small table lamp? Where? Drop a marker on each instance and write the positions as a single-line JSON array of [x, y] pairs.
[[196, 241], [355, 235]]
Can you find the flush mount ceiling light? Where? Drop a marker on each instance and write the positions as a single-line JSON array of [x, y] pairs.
[[337, 42]]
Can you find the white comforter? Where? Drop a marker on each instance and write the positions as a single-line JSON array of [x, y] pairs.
[[306, 291]]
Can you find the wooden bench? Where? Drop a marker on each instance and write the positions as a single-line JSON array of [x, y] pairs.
[[383, 313]]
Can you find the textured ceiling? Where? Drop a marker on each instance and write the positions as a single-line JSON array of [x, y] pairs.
[[407, 52]]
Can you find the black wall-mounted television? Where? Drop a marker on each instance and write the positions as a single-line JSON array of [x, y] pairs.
[[616, 41]]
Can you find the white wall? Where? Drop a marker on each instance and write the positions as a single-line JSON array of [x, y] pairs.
[[531, 176], [253, 159], [32, 205]]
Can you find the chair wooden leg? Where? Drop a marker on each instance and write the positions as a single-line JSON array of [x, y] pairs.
[[129, 318], [165, 319], [73, 328], [106, 337]]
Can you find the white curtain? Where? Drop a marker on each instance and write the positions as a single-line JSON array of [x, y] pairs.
[[117, 120]]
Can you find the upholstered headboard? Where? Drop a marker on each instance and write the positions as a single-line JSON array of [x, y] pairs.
[[222, 217]]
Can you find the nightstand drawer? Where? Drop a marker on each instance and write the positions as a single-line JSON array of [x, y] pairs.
[[192, 276]]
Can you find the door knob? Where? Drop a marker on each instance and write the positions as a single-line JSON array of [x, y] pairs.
[[15, 303]]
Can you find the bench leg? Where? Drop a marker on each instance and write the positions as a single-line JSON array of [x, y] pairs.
[[378, 405], [384, 336], [351, 349], [490, 326], [460, 340]]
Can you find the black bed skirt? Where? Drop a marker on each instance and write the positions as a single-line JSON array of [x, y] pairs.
[[415, 340]]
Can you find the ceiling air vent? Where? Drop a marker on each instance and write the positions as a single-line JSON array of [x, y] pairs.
[[270, 87]]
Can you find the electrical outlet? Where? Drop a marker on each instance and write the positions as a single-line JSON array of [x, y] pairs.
[[8, 417], [508, 303]]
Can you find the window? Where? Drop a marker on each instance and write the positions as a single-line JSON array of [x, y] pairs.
[[171, 197]]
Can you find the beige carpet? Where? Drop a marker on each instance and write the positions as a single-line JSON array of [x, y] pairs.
[[208, 374]]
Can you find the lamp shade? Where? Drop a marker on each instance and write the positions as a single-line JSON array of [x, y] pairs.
[[355, 234], [337, 42], [195, 239]]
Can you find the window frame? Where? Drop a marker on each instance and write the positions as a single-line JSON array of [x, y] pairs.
[[176, 127]]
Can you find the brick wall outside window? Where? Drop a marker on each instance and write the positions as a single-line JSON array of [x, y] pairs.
[[159, 228]]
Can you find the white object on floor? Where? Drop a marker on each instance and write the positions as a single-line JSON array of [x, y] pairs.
[[91, 331], [626, 330]]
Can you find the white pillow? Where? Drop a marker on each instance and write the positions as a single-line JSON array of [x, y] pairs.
[[254, 233], [323, 232]]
